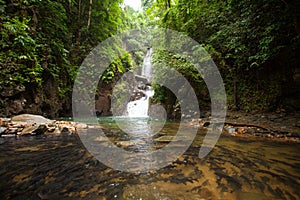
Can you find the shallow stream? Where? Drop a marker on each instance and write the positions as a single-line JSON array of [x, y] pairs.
[[59, 167]]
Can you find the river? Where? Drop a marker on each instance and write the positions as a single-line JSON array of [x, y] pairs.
[[59, 167]]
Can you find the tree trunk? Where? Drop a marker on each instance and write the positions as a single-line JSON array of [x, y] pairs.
[[90, 14]]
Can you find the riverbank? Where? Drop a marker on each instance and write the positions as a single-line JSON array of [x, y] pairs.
[[26, 124], [278, 126]]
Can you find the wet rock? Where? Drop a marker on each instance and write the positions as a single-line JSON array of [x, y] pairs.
[[206, 124], [142, 79], [28, 118], [51, 128], [81, 126], [68, 130], [56, 131], [20, 125], [65, 131], [34, 130], [4, 121], [141, 86], [40, 130], [157, 112], [231, 130], [128, 143], [27, 124], [2, 130], [137, 95], [167, 139], [28, 130], [12, 130], [241, 131]]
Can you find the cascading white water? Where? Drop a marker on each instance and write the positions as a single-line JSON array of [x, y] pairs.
[[147, 66], [139, 108]]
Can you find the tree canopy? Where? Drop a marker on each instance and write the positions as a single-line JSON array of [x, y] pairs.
[[255, 44]]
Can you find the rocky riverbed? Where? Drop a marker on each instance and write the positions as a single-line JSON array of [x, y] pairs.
[[278, 126], [58, 166], [51, 166], [26, 124]]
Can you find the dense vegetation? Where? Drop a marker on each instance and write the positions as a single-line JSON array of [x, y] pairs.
[[255, 44], [43, 42]]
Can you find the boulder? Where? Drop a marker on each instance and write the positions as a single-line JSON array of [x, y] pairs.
[[81, 126], [34, 130], [142, 79], [28, 118], [230, 130], [157, 112], [5, 121]]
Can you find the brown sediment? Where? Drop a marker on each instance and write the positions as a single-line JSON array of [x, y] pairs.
[[59, 167]]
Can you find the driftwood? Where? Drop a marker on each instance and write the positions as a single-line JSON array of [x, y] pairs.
[[271, 130]]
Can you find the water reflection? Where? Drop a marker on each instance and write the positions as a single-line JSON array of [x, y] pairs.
[[141, 128], [59, 167]]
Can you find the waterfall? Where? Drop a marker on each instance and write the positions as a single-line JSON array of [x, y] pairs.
[[147, 67], [139, 108]]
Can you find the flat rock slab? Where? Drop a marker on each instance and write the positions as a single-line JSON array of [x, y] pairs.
[[131, 143], [166, 139], [28, 118]]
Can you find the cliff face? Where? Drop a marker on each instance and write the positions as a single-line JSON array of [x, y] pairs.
[[103, 99], [47, 101], [30, 99]]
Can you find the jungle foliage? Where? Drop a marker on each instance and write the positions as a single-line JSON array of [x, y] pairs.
[[44, 40], [255, 44], [51, 38]]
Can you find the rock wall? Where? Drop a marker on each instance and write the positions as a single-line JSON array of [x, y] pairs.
[[47, 101], [103, 99], [32, 99]]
